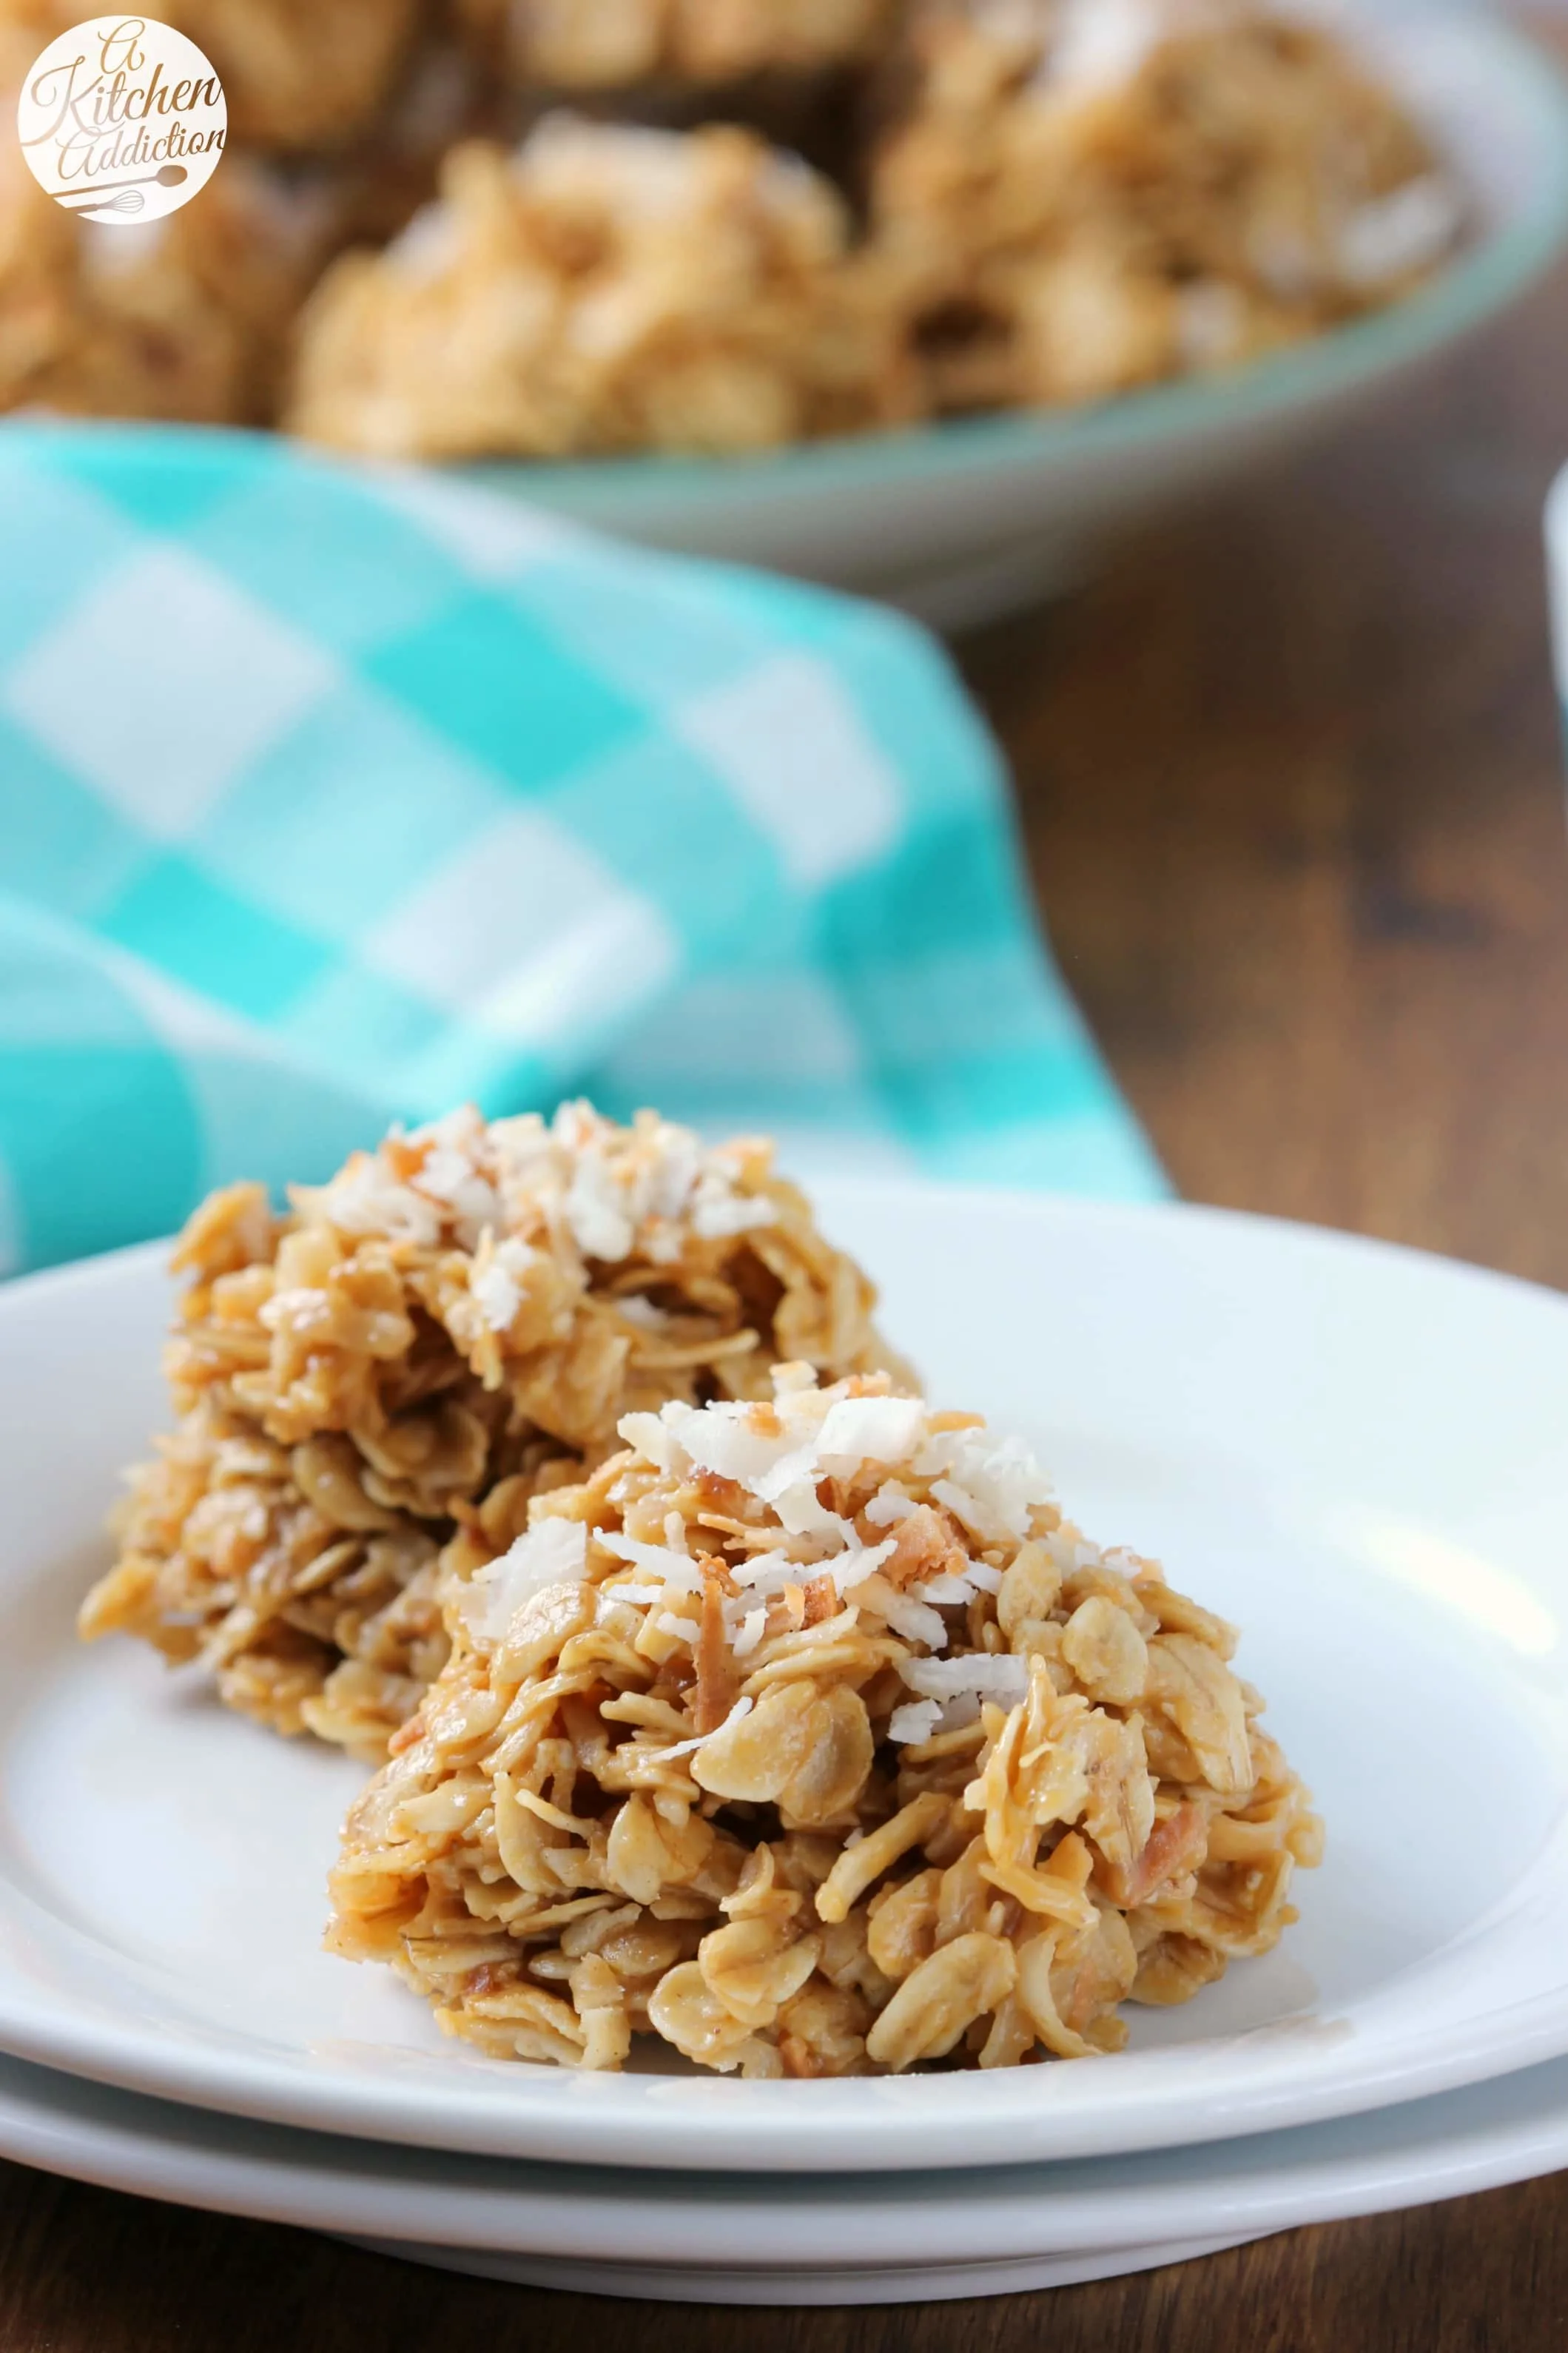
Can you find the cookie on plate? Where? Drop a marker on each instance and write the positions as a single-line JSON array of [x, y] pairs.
[[384, 1377], [809, 1738]]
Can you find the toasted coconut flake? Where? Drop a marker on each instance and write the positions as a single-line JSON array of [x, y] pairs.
[[937, 1819], [374, 1390]]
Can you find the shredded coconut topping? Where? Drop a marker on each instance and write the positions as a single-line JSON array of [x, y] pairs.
[[619, 1190], [552, 1552], [914, 1722], [642, 1312], [677, 1570], [869, 1429], [750, 1634], [605, 1192], [889, 1505], [778, 1456], [497, 1282], [990, 1487], [364, 1197], [781, 1454], [1000, 1677], [1102, 44], [741, 1708], [1408, 229]]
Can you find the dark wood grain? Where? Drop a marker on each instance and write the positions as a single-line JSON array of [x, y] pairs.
[[85, 2269], [1289, 777], [1292, 780]]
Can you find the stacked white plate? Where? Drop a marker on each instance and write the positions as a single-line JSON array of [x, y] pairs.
[[1355, 1452]]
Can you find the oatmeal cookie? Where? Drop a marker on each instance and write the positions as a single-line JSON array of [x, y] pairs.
[[382, 1379], [605, 288], [301, 74], [297, 74], [808, 1736], [1080, 197], [179, 318], [582, 46]]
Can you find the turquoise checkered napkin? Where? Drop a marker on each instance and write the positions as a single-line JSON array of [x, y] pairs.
[[331, 796]]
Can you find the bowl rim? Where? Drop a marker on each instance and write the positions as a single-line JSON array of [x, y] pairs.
[[1482, 281]]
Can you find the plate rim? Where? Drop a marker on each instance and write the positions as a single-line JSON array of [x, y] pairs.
[[297, 2176]]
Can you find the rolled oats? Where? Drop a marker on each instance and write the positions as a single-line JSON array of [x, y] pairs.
[[828, 1877], [604, 287], [593, 45], [1051, 201], [1081, 196], [375, 1390], [183, 317]]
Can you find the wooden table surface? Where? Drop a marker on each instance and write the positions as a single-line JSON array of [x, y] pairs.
[[1290, 780]]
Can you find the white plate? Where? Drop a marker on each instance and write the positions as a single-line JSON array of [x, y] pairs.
[[911, 2282], [961, 520], [837, 2239], [1355, 1451]]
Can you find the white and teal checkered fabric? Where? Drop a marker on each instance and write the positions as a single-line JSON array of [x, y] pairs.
[[331, 797]]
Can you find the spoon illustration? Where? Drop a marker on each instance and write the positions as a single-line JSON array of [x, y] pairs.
[[86, 200]]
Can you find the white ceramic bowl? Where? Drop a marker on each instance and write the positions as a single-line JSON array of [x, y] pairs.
[[961, 520], [1557, 578], [1354, 1451]]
